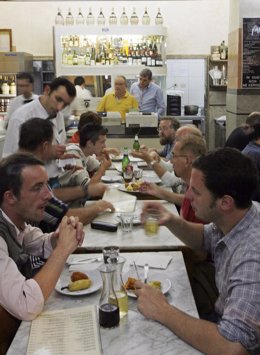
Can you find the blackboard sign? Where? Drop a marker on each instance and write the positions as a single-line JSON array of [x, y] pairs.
[[251, 53]]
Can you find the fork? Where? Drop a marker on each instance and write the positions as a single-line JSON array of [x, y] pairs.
[[146, 270], [85, 261]]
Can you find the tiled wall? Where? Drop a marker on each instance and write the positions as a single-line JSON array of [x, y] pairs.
[[188, 76]]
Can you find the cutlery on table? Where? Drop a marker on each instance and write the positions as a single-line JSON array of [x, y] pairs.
[[138, 278], [146, 270], [85, 261]]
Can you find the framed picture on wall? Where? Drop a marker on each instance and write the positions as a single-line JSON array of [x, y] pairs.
[[5, 40]]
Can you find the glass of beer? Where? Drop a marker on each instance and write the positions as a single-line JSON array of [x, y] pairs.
[[151, 224]]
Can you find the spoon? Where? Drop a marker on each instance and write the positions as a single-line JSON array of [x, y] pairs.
[[146, 270]]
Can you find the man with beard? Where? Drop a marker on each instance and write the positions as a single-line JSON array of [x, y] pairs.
[[221, 194], [57, 95]]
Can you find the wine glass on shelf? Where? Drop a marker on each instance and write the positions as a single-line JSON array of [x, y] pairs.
[[112, 18], [69, 18], [134, 20], [59, 20], [159, 18], [146, 18], [90, 20], [80, 18], [101, 18], [124, 18]]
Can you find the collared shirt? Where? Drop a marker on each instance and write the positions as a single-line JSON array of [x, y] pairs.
[[24, 113], [17, 102], [237, 261], [166, 152], [110, 103], [150, 99], [20, 297]]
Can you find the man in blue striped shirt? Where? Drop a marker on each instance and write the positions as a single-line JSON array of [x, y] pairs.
[[148, 94]]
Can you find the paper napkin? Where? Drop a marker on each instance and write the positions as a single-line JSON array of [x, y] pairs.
[[156, 261]]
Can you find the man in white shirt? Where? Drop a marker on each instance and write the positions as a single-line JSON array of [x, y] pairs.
[[56, 96], [83, 95], [25, 89], [24, 194]]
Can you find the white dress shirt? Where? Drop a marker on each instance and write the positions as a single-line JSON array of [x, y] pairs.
[[16, 103]]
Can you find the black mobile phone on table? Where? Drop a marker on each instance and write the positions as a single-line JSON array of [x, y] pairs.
[[104, 226]]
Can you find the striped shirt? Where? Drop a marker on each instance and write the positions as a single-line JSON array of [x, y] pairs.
[[237, 261]]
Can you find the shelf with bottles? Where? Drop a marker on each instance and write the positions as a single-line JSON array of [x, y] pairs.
[[218, 67], [96, 48]]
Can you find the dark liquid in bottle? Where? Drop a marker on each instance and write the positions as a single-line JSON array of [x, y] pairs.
[[127, 180], [108, 315]]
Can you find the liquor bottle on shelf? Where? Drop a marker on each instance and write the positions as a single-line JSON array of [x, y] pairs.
[[134, 20], [80, 18], [146, 18], [59, 20], [101, 18], [223, 50], [90, 20], [93, 57], [12, 86], [75, 58], [159, 18], [69, 18], [76, 41], [65, 56], [112, 18], [70, 57], [124, 18], [87, 57]]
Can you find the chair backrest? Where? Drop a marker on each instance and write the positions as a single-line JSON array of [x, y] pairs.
[[8, 328]]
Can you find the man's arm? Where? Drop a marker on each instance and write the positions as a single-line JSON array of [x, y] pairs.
[[200, 334], [67, 194], [160, 103], [189, 233], [12, 136], [162, 193], [101, 106]]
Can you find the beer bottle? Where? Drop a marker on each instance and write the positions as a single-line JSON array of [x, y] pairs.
[[125, 160], [136, 145]]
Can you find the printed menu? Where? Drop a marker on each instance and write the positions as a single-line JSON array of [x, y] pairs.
[[65, 332]]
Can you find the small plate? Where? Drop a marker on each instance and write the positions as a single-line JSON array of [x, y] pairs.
[[116, 157], [152, 179], [94, 275], [107, 178], [165, 282]]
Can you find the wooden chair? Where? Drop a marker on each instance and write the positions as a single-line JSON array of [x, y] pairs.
[[8, 328]]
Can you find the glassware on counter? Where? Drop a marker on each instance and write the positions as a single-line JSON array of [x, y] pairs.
[[118, 285], [80, 18], [159, 18], [101, 18], [124, 18], [108, 303], [59, 20], [69, 18], [112, 18], [90, 20], [134, 20], [146, 18]]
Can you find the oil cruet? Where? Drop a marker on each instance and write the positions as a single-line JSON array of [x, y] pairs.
[[120, 291], [108, 304]]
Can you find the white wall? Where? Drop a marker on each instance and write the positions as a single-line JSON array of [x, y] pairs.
[[193, 26]]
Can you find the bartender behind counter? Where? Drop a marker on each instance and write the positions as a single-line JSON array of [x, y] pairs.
[[119, 100], [148, 94]]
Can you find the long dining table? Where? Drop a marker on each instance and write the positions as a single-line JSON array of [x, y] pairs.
[[135, 333]]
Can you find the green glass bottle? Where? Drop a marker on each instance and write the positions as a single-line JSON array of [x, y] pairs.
[[136, 145], [125, 160]]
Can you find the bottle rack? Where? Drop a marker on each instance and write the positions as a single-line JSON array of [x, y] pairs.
[[118, 49]]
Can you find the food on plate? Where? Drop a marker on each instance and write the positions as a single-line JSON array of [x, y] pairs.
[[129, 285], [133, 186], [77, 275], [155, 284], [79, 285]]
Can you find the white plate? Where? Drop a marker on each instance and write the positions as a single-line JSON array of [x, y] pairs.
[[116, 157], [153, 179], [152, 276], [94, 275], [107, 178]]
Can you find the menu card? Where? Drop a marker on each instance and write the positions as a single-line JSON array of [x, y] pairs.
[[65, 332]]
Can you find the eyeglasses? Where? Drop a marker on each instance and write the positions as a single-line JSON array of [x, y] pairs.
[[179, 155], [159, 129]]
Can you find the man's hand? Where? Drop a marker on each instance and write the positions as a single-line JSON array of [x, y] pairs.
[[149, 188], [58, 150], [70, 235], [150, 300], [158, 208], [103, 205]]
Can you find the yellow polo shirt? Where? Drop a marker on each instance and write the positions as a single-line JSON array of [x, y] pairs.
[[110, 103]]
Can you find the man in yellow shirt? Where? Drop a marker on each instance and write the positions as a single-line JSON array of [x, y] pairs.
[[119, 100]]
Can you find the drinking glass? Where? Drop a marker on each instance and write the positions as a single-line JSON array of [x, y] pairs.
[[151, 224], [127, 221], [111, 252]]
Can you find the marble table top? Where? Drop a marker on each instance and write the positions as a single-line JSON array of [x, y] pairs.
[[135, 334], [96, 240]]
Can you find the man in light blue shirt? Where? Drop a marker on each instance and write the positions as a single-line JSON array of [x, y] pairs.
[[148, 94]]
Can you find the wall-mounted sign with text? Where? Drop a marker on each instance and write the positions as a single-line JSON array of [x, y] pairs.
[[251, 53]]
